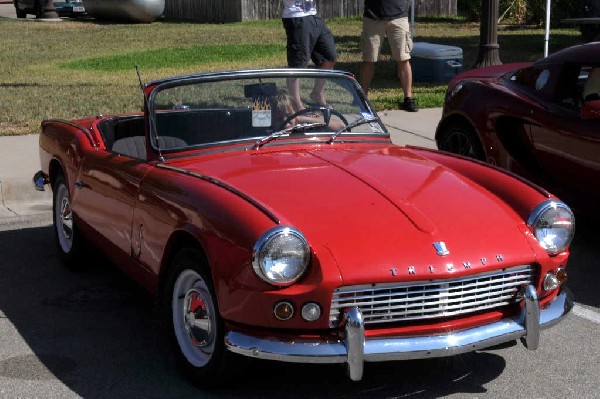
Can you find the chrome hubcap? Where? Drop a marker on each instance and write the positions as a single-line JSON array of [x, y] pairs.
[[194, 318], [64, 219]]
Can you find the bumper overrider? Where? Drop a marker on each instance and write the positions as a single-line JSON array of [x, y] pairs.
[[354, 349]]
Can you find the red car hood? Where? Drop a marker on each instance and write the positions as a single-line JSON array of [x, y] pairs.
[[378, 210]]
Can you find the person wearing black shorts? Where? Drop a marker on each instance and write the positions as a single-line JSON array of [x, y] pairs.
[[308, 38]]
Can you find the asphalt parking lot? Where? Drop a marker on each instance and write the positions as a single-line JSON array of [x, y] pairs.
[[94, 334]]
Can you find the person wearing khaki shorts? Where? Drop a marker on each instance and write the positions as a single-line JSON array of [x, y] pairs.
[[381, 19]]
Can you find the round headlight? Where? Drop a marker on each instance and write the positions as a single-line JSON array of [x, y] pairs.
[[281, 256], [553, 225]]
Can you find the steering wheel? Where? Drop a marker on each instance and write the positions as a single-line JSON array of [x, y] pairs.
[[325, 111]]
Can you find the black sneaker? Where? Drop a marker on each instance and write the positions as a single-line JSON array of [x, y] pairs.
[[409, 105]]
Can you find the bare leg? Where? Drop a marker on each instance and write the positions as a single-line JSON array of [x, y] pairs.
[[405, 76], [367, 71], [317, 93], [293, 85]]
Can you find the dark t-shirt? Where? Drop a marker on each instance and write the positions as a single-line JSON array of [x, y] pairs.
[[385, 9]]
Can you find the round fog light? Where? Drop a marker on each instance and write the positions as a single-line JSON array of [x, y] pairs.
[[550, 282], [311, 311], [283, 311]]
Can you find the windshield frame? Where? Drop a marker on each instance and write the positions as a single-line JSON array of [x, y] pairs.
[[158, 86]]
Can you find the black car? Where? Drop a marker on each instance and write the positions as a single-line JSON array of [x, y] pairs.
[[68, 8]]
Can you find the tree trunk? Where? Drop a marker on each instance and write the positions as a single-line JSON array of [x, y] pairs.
[[488, 35]]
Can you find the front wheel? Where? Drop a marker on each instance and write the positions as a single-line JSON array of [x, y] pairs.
[[191, 317], [460, 139]]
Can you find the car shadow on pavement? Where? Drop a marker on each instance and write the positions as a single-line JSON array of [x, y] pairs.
[[584, 273], [94, 332]]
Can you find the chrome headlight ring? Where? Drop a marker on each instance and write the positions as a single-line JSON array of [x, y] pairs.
[[553, 225], [280, 256]]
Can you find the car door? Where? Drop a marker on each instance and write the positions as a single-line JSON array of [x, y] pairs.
[[568, 146], [105, 195]]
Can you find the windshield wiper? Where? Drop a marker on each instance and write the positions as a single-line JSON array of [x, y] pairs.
[[354, 124], [301, 126]]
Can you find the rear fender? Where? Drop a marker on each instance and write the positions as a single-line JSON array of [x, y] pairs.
[[63, 145]]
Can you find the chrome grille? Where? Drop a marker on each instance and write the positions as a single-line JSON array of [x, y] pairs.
[[391, 302]]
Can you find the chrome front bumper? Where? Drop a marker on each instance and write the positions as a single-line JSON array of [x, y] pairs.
[[355, 349]]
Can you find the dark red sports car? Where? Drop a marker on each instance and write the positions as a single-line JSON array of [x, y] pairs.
[[540, 120]]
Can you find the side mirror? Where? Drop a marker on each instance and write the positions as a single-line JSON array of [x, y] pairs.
[[590, 110]]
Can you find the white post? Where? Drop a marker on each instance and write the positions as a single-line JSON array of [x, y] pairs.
[[547, 35], [412, 19]]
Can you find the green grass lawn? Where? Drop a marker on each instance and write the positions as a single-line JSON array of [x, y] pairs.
[[73, 69]]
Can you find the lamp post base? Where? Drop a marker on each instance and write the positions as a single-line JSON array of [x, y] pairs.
[[48, 10]]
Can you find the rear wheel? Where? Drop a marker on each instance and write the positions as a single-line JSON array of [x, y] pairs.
[[68, 239], [191, 317], [459, 138]]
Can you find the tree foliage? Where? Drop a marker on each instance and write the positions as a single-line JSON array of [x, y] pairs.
[[523, 12]]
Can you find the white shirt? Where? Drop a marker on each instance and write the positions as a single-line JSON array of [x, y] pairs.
[[299, 8]]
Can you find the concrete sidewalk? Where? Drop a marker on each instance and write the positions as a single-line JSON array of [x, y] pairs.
[[19, 160]]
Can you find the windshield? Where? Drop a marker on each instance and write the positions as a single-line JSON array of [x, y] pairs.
[[201, 111]]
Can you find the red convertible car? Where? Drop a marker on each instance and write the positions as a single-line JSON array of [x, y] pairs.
[[540, 120], [300, 233]]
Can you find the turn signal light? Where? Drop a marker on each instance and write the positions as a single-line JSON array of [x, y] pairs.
[[283, 311], [561, 275], [550, 282]]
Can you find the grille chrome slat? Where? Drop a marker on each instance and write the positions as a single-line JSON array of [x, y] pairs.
[[364, 300], [386, 303], [434, 307]]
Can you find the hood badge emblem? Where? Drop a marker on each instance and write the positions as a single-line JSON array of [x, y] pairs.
[[440, 247], [450, 267]]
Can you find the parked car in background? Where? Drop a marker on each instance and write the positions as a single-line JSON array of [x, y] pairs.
[[303, 235], [67, 8], [540, 120]]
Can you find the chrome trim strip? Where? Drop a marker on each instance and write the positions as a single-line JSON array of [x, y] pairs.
[[400, 348], [263, 208]]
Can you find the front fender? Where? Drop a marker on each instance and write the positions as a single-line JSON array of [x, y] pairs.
[[520, 194]]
